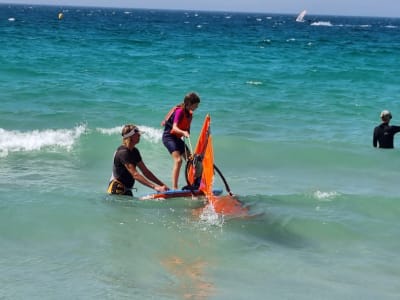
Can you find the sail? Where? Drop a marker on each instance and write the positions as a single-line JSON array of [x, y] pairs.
[[204, 161], [194, 170], [207, 178], [300, 17]]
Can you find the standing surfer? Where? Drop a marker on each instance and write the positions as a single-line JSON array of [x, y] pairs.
[[176, 127]]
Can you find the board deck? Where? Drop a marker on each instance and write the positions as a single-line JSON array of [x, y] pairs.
[[178, 194]]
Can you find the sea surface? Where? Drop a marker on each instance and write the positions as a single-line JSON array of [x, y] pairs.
[[293, 106]]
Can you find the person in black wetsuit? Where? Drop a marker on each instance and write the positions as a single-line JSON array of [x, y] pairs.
[[127, 159], [384, 133]]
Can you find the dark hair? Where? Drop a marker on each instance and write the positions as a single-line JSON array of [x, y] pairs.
[[190, 99]]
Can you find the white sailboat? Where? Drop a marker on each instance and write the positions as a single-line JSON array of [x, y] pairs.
[[300, 17]]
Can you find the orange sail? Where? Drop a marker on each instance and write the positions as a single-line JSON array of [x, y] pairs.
[[195, 167], [226, 205], [207, 178]]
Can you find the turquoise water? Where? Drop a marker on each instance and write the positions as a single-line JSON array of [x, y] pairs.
[[293, 106]]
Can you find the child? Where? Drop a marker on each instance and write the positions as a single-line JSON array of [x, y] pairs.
[[177, 126]]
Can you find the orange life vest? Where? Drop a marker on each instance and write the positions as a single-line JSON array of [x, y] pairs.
[[183, 123]]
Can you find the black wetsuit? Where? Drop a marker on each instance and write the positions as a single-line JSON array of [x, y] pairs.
[[125, 156], [384, 135]]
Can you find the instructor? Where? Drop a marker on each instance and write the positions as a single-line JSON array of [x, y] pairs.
[[127, 160]]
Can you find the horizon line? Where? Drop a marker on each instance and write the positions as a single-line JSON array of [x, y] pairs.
[[192, 10]]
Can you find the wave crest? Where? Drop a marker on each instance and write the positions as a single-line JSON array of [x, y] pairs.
[[321, 23], [326, 196], [16, 141], [148, 133]]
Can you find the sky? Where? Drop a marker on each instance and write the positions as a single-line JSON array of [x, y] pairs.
[[378, 8]]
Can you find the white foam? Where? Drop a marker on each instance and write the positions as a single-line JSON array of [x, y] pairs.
[[16, 141], [110, 131], [321, 23], [208, 216], [325, 195], [254, 82], [151, 134]]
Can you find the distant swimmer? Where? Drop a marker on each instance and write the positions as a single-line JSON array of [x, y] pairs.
[[384, 133], [127, 159]]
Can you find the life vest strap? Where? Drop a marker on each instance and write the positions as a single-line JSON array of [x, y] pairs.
[[168, 115]]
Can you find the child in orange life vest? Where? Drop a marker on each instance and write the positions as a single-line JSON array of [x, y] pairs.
[[177, 126]]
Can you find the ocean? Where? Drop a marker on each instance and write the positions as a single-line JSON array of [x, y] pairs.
[[292, 105]]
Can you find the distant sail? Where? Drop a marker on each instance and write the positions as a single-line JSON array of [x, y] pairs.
[[300, 17]]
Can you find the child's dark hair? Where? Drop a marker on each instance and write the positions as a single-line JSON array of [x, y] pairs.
[[190, 99]]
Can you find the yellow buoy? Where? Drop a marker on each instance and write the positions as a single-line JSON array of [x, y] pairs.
[[60, 15]]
